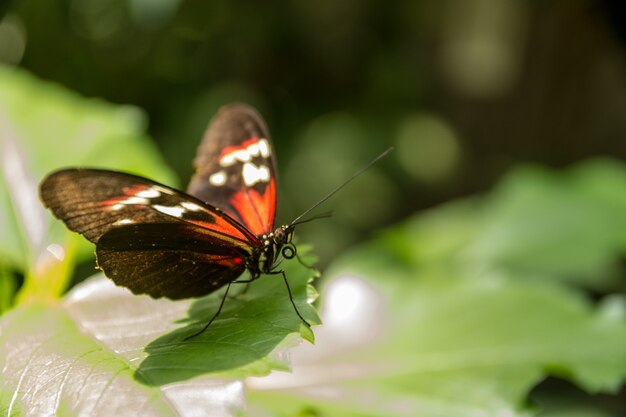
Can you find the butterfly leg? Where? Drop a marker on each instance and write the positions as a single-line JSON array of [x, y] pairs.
[[219, 310], [290, 295]]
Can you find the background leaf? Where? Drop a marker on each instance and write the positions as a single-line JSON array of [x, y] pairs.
[[535, 220]]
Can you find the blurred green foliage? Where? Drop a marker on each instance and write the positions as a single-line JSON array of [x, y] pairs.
[[568, 226]]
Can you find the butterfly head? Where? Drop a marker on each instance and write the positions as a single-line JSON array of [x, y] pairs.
[[283, 234], [278, 243]]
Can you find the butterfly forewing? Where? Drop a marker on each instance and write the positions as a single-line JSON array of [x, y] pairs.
[[150, 237], [235, 168]]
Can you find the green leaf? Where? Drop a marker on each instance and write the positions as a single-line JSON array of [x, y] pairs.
[[50, 367], [568, 225], [104, 351], [44, 127], [537, 223]]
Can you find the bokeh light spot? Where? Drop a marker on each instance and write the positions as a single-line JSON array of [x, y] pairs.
[[97, 20], [153, 14], [428, 148], [12, 40], [483, 44], [353, 307]]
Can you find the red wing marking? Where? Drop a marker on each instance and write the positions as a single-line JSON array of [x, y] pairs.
[[226, 230], [224, 260], [134, 189], [221, 224], [230, 149], [256, 209]]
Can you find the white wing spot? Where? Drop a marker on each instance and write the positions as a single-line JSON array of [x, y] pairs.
[[253, 174], [219, 178], [261, 147], [117, 206], [174, 211], [148, 193], [190, 206], [227, 160], [242, 155], [134, 200], [238, 155], [264, 148], [162, 190], [253, 149], [124, 221]]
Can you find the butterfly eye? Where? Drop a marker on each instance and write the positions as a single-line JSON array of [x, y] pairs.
[[279, 236]]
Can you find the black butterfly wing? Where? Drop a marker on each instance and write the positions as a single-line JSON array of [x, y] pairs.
[[173, 260], [149, 237], [235, 168]]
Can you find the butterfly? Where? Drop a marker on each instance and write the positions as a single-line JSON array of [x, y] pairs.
[[156, 240]]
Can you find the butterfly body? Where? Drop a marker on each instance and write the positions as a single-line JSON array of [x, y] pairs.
[[156, 240]]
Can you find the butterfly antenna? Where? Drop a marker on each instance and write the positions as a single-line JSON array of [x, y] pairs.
[[346, 182], [316, 217]]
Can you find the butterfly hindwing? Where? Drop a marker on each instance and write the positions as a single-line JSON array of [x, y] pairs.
[[149, 237], [235, 168], [174, 260]]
